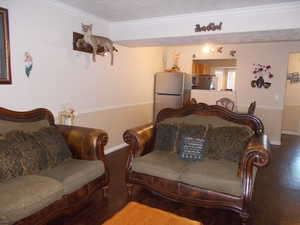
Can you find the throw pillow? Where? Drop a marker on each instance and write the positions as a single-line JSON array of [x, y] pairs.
[[192, 141], [24, 153], [166, 137], [228, 142], [53, 143], [20, 155]]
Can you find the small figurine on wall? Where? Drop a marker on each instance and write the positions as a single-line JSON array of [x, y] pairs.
[[96, 42], [28, 63]]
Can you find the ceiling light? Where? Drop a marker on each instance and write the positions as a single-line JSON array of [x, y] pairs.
[[206, 49]]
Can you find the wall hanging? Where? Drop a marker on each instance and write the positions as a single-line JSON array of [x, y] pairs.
[[28, 63], [175, 67], [232, 53], [67, 116], [261, 74], [5, 68], [220, 49], [209, 27], [293, 77], [97, 45]]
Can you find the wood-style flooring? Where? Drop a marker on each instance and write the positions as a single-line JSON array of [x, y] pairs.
[[276, 197]]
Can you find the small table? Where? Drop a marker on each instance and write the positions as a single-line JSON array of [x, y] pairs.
[[136, 214]]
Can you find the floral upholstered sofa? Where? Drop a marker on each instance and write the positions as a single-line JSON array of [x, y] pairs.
[[47, 170], [200, 155]]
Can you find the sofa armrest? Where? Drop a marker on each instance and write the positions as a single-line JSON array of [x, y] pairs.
[[257, 154], [85, 143], [139, 139]]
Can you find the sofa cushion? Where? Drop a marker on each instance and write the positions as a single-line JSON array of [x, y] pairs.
[[23, 153], [225, 139], [26, 195], [74, 174], [20, 154], [28, 127], [216, 175], [166, 137], [228, 142], [195, 119], [160, 164], [53, 143]]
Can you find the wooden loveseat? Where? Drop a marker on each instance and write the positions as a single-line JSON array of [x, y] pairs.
[[42, 196], [193, 183]]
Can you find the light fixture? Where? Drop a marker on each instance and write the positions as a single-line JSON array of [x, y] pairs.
[[206, 49]]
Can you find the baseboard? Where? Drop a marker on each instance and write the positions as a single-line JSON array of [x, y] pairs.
[[290, 132], [114, 148]]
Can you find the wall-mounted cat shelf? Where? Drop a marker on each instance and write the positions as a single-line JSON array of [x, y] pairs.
[[87, 47]]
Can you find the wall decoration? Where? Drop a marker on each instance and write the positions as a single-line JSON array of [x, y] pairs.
[[175, 67], [67, 116], [261, 74], [220, 49], [232, 53], [5, 65], [293, 77], [28, 63], [209, 27], [88, 42]]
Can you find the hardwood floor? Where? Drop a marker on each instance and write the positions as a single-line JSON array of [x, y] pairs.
[[276, 198]]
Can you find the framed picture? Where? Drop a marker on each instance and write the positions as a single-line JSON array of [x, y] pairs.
[[5, 69]]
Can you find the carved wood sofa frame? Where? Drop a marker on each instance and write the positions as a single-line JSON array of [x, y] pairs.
[[84, 143], [257, 154]]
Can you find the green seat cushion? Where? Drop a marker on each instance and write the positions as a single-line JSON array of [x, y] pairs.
[[215, 175], [25, 195], [74, 174], [160, 164]]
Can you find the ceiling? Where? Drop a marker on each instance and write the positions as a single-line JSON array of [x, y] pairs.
[[120, 10]]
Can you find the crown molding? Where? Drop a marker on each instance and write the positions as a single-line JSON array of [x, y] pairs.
[[269, 8]]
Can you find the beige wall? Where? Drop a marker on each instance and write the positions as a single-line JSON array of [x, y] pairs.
[[269, 101], [102, 94], [291, 113], [116, 120]]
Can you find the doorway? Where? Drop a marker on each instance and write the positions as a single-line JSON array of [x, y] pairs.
[[291, 110]]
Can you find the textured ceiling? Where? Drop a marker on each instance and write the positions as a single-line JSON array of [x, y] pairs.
[[245, 37], [119, 10]]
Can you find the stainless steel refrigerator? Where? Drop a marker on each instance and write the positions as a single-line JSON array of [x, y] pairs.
[[171, 90]]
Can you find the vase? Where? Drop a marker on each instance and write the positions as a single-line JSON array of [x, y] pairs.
[[267, 85], [253, 83], [260, 82]]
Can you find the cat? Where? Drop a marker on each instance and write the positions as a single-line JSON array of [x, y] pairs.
[[98, 42]]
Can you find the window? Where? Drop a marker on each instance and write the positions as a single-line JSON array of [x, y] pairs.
[[230, 79]]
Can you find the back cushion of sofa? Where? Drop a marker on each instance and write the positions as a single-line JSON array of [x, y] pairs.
[[29, 148], [8, 126], [225, 139], [166, 137]]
